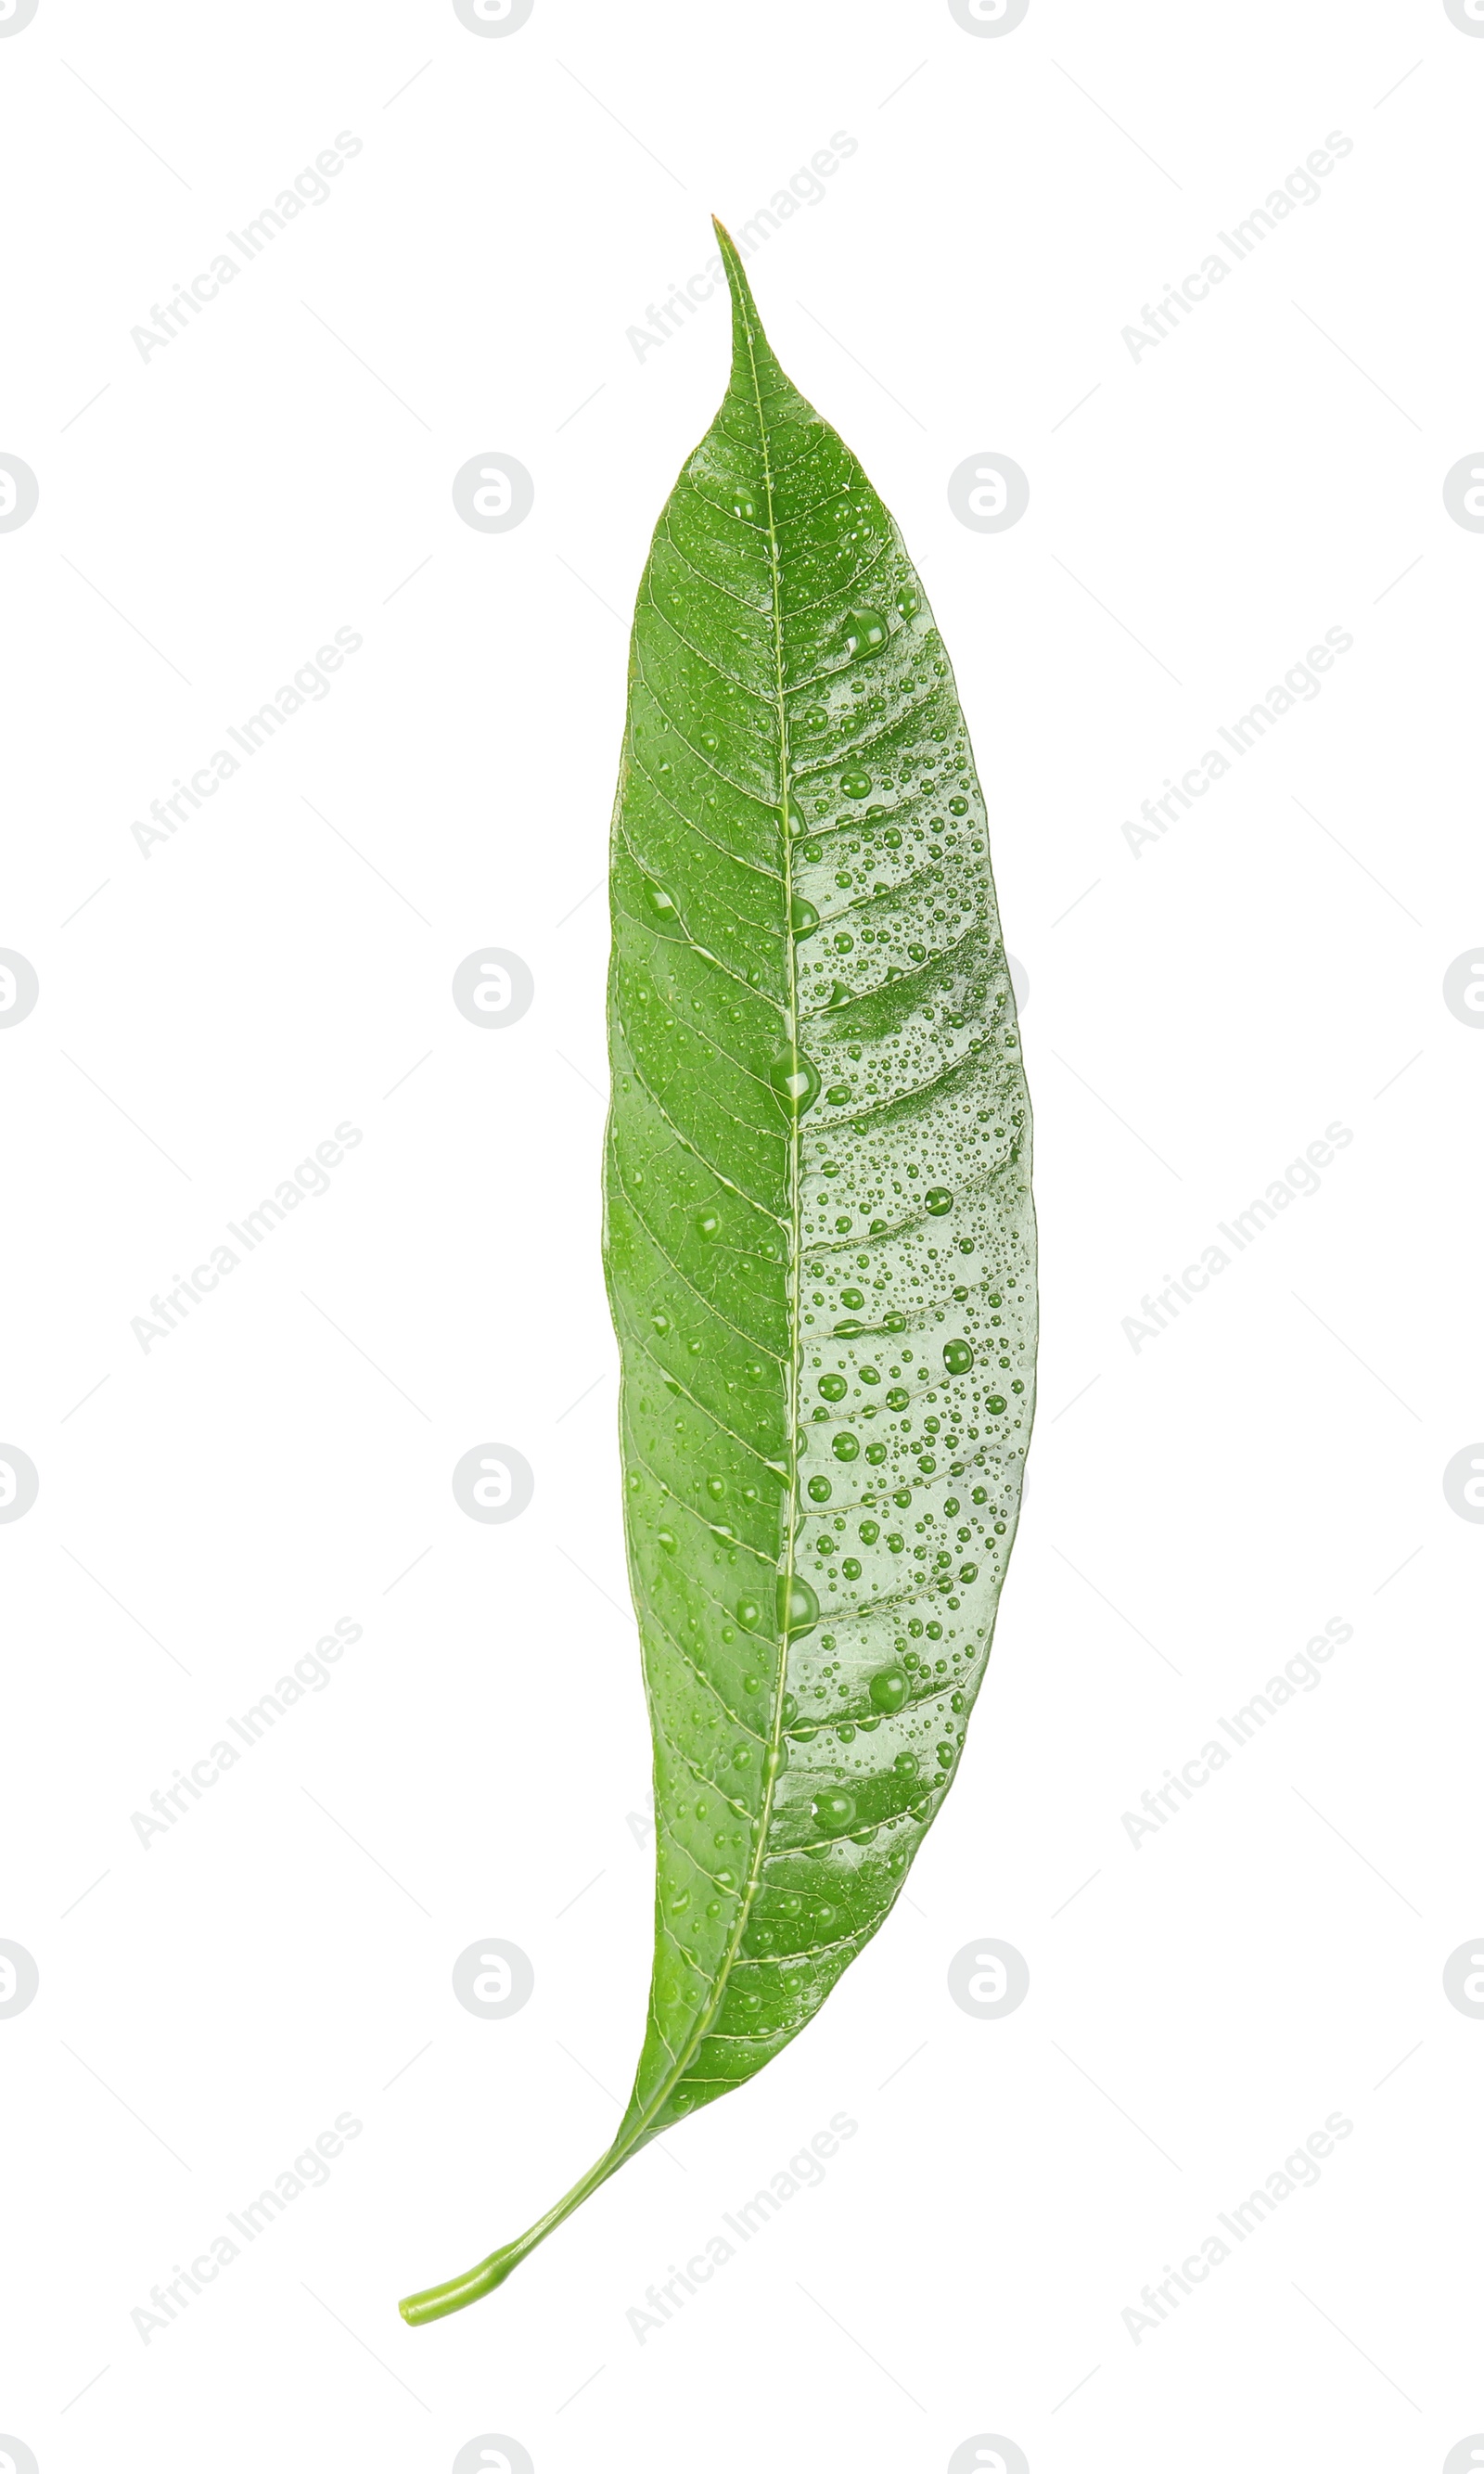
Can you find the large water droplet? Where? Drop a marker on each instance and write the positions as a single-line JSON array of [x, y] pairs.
[[798, 1607], [795, 1080], [864, 632]]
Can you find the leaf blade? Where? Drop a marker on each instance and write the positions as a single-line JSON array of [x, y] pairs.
[[778, 1050]]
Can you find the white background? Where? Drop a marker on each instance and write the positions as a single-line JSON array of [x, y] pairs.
[[1197, 1508]]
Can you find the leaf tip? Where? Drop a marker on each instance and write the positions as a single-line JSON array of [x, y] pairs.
[[746, 326], [731, 259]]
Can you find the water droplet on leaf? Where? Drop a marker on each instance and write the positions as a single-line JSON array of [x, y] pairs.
[[864, 632], [795, 1080], [798, 1607]]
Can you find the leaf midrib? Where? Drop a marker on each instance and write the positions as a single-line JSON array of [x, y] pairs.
[[772, 1759]]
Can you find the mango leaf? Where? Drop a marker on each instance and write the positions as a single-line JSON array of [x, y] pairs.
[[819, 1242]]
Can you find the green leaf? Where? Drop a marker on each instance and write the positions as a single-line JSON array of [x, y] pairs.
[[819, 1242]]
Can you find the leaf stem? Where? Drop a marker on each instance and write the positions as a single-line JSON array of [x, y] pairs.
[[438, 2301]]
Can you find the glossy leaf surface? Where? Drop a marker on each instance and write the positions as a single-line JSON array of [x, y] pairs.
[[819, 1242]]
